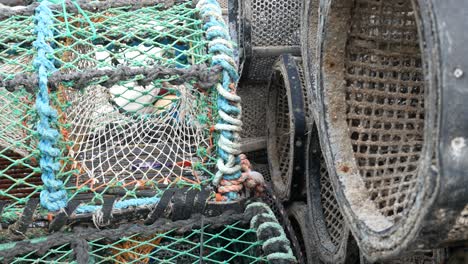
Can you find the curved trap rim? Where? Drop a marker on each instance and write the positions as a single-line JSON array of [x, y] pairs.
[[309, 42], [375, 234], [286, 158], [330, 249]]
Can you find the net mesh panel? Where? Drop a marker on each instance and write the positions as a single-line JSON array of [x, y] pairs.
[[385, 101], [260, 68], [19, 169], [126, 137], [331, 212], [223, 4], [281, 143], [61, 254], [273, 23], [254, 101], [18, 162], [232, 243]]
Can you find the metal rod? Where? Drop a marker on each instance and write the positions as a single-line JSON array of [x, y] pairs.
[[272, 51]]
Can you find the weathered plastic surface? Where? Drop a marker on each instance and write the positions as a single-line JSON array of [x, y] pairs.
[[442, 185]]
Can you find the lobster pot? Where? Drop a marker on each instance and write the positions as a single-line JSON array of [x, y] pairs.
[[127, 110], [332, 240], [264, 30], [287, 119], [391, 148], [232, 238]]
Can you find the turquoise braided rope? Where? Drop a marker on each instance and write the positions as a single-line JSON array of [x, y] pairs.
[[53, 195], [230, 124]]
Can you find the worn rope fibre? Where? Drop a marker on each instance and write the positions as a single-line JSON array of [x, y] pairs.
[[206, 77], [53, 196], [95, 6], [229, 176], [276, 245]]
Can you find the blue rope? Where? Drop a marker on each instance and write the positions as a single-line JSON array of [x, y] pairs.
[[53, 195], [119, 205], [217, 33]]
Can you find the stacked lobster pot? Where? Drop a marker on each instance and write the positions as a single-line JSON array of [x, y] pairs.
[[386, 80], [120, 138], [365, 125]]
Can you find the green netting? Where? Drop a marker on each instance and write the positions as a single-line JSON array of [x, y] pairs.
[[120, 132], [252, 237], [230, 244], [19, 168]]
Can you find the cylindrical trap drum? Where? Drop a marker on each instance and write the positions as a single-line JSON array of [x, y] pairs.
[[394, 140], [264, 29], [287, 118]]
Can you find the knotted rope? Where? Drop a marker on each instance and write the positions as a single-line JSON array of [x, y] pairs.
[[53, 196], [230, 124], [250, 179]]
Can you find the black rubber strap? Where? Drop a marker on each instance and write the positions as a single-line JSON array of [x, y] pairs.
[[213, 209], [200, 201], [107, 207], [178, 205], [189, 202], [26, 218], [160, 207], [299, 121], [61, 219]]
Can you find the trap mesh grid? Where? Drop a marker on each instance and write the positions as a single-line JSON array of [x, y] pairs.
[[230, 244], [228, 238], [273, 24], [334, 221], [387, 152], [131, 104], [128, 135]]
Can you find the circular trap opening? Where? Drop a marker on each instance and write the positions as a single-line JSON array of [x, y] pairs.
[[286, 121], [372, 93]]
